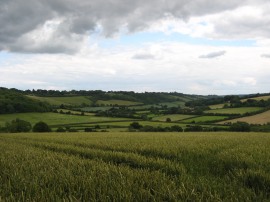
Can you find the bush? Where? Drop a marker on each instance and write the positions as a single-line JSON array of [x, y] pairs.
[[176, 128], [88, 130], [60, 129], [41, 127], [18, 126], [196, 128]]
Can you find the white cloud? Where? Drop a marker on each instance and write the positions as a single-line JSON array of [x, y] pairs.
[[179, 69]]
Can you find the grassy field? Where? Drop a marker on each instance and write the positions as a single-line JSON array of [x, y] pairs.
[[217, 106], [173, 117], [76, 112], [94, 109], [75, 100], [127, 123], [135, 167], [117, 102], [203, 119], [261, 118], [257, 98], [55, 118], [241, 110]]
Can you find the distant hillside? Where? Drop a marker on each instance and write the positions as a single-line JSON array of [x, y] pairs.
[[97, 95], [13, 101]]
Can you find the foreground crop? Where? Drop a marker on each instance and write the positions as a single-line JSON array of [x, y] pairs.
[[135, 166]]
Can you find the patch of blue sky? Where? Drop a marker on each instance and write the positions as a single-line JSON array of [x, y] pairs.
[[4, 57], [7, 58], [138, 39]]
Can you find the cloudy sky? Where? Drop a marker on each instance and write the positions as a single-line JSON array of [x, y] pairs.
[[189, 46]]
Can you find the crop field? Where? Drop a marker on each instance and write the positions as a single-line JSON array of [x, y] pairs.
[[258, 98], [262, 118], [75, 100], [55, 118], [117, 102], [173, 117], [202, 119], [241, 110], [135, 167]]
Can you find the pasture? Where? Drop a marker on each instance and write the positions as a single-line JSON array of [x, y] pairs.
[[135, 167], [241, 110], [117, 102], [173, 117], [217, 106], [55, 118], [203, 119], [57, 101]]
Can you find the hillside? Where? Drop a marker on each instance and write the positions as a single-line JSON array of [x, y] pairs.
[[117, 110], [13, 101]]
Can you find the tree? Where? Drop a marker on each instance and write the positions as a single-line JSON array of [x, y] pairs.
[[136, 125], [41, 127], [18, 126], [168, 120]]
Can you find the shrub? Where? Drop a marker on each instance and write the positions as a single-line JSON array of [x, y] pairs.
[[60, 129], [196, 128], [88, 130], [41, 127], [176, 128]]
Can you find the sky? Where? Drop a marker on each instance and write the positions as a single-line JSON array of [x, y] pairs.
[[189, 46]]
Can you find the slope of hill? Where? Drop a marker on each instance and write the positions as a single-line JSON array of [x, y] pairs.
[[13, 101]]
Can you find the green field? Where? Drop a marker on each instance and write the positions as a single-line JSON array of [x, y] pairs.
[[135, 167], [143, 123], [55, 118], [117, 102], [203, 119], [217, 106], [241, 110], [75, 100], [173, 117]]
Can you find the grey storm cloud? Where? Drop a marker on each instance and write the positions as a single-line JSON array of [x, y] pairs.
[[51, 26], [213, 54]]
